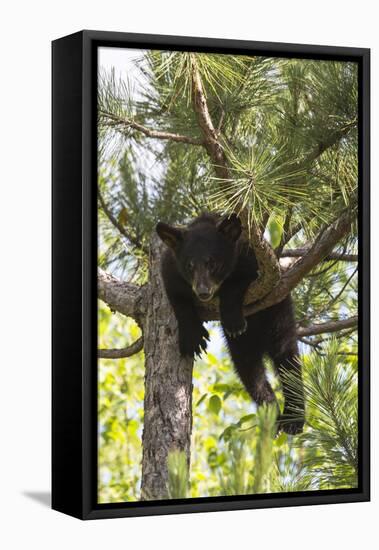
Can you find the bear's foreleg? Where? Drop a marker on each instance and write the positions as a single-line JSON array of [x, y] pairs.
[[193, 336], [231, 307]]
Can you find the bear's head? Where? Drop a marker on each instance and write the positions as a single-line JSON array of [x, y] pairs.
[[205, 251]]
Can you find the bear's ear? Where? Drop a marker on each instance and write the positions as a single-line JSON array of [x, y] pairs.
[[230, 227], [170, 235]]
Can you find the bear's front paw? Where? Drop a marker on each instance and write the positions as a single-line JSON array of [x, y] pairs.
[[290, 424], [235, 328], [193, 341]]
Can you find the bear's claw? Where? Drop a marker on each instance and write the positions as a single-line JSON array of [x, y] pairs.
[[291, 426], [193, 343], [236, 333]]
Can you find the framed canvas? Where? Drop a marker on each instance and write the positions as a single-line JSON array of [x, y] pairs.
[[210, 275]]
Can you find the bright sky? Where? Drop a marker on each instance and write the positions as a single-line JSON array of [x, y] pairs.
[[121, 59]]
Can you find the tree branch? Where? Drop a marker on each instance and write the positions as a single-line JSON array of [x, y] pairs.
[[156, 134], [331, 140], [125, 298], [285, 235], [129, 300], [123, 352], [210, 134], [292, 231], [329, 326], [298, 252], [118, 225], [268, 267], [323, 245]]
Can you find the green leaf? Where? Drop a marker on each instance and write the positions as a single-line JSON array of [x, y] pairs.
[[201, 399], [214, 404], [275, 230], [246, 418]]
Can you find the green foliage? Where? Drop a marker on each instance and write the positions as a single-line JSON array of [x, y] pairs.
[[234, 451], [288, 128], [332, 403], [250, 456], [120, 411], [261, 178], [304, 146], [266, 423]]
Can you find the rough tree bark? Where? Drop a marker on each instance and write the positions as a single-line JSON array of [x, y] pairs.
[[168, 386]]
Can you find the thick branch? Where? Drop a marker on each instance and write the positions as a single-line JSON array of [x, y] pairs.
[[323, 245], [123, 297], [129, 300], [298, 252], [127, 123], [123, 352], [268, 265], [210, 134], [329, 326]]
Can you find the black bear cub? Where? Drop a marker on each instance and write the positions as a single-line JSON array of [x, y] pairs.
[[209, 258]]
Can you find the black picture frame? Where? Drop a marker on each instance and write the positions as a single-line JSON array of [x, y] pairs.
[[74, 315]]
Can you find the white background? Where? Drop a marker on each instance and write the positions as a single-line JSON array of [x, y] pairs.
[[26, 31]]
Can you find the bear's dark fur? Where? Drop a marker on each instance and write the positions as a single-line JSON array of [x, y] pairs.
[[208, 258]]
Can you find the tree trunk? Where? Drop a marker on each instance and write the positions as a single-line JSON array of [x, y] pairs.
[[168, 386]]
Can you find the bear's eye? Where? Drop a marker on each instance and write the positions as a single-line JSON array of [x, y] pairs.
[[190, 265], [211, 263]]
